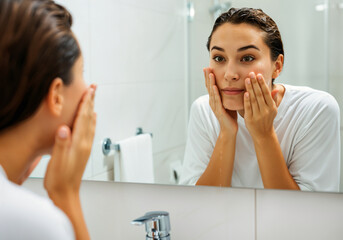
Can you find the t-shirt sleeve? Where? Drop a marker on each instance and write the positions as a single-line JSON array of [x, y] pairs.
[[315, 163], [25, 215], [199, 146]]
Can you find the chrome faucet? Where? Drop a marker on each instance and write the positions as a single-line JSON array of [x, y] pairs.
[[157, 225]]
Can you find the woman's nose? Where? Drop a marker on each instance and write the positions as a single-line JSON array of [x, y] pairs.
[[231, 72]]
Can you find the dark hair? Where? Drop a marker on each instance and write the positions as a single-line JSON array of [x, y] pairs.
[[257, 18], [36, 46]]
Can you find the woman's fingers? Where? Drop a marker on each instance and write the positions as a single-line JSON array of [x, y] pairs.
[[257, 89], [61, 146], [247, 106], [265, 90], [252, 98], [206, 79], [59, 161], [217, 99], [85, 116], [211, 86], [207, 71]]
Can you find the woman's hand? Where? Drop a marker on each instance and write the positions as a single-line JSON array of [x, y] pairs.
[[71, 150], [227, 119], [259, 107], [68, 162]]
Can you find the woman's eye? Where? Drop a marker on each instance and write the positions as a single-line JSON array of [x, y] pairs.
[[248, 58], [218, 59]]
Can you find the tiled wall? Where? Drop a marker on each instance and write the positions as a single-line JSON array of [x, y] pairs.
[[203, 213]]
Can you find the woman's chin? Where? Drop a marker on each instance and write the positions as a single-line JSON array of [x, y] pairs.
[[232, 106]]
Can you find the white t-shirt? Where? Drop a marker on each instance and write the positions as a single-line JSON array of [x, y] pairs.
[[308, 129], [24, 215]]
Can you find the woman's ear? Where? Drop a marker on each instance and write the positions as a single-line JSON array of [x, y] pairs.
[[278, 65], [55, 97]]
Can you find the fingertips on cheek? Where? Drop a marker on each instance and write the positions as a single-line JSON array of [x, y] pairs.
[[259, 77], [252, 75]]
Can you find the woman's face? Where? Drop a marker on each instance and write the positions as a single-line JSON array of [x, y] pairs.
[[235, 51], [73, 93]]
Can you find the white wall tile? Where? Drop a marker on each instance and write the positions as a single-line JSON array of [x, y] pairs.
[[131, 44], [196, 213], [298, 215]]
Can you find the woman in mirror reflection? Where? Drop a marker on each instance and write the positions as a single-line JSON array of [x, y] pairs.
[[251, 132], [46, 108]]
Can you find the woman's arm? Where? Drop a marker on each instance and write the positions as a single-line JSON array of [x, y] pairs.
[[273, 168], [220, 168], [259, 113], [68, 162]]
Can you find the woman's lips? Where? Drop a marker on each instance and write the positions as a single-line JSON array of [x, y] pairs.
[[232, 91]]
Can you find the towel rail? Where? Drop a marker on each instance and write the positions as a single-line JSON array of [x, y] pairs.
[[107, 144]]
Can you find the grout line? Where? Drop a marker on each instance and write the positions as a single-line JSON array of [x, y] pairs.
[[255, 214]]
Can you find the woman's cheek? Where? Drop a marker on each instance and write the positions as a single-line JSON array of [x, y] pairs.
[[261, 69]]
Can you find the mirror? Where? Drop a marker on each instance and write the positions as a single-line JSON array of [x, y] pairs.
[[147, 59]]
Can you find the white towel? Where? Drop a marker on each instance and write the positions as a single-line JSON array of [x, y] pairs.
[[136, 161]]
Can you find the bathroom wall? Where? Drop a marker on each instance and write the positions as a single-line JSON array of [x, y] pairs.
[[202, 213], [135, 51]]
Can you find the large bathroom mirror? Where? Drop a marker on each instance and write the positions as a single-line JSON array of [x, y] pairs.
[[147, 59]]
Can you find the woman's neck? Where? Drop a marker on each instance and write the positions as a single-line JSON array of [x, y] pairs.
[[19, 148]]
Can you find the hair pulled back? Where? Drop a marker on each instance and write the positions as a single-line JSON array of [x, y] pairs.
[[257, 18], [36, 46]]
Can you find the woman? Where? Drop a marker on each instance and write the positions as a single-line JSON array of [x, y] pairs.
[[250, 132], [45, 108]]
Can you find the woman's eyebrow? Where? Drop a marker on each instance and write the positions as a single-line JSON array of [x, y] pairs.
[[217, 48], [247, 47]]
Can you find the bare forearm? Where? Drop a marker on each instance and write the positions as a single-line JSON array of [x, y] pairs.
[[70, 204], [273, 168], [220, 167]]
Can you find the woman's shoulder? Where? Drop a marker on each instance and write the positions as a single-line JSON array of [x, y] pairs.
[[307, 98], [202, 101], [201, 108], [26, 215], [201, 113]]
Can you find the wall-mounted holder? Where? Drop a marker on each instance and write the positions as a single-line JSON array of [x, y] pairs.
[[107, 144]]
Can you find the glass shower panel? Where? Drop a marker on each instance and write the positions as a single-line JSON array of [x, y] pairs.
[[335, 61]]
